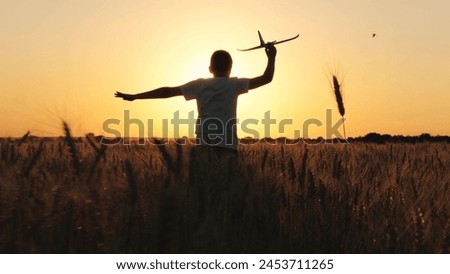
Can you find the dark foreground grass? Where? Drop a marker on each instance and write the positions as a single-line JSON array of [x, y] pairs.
[[69, 195]]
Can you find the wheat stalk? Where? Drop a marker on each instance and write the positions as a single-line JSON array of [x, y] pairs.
[[132, 180], [24, 138], [72, 148], [92, 143], [338, 93], [34, 159], [168, 160]]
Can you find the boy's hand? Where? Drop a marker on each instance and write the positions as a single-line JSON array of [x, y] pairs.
[[271, 51], [126, 97]]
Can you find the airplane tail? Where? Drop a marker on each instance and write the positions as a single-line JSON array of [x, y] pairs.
[[261, 40]]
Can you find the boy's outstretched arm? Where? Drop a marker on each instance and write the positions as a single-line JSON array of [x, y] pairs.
[[164, 92], [267, 77]]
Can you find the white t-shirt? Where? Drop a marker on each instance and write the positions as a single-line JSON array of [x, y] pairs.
[[216, 104]]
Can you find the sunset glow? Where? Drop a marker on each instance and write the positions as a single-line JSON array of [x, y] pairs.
[[65, 60]]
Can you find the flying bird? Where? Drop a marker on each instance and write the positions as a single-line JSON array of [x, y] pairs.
[[373, 35]]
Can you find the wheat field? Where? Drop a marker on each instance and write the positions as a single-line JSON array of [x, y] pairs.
[[74, 195]]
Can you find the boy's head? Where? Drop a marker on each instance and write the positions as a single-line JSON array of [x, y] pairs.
[[221, 63]]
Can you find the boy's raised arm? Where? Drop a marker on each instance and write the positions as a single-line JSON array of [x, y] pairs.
[[164, 92], [267, 77]]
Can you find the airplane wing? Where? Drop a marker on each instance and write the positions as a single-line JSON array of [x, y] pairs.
[[270, 43], [282, 41], [258, 47]]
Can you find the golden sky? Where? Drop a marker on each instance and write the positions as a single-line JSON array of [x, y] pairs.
[[65, 60]]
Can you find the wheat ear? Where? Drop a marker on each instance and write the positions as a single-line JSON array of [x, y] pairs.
[[338, 93]]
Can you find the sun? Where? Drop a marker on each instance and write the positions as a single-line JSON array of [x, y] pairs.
[[195, 66]]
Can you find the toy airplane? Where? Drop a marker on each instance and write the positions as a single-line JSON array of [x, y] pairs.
[[266, 44]]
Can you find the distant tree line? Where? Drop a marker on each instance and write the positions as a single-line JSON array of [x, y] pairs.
[[372, 137], [378, 138]]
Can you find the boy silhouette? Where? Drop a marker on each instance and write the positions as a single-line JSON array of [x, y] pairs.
[[216, 99]]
